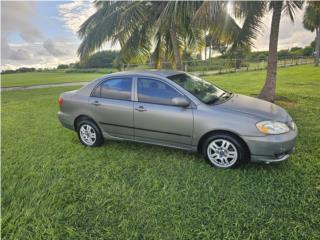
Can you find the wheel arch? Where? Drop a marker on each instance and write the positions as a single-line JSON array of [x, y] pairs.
[[82, 117], [215, 132]]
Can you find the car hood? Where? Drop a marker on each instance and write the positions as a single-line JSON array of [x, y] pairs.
[[260, 109]]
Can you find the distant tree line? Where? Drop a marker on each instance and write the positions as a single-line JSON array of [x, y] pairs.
[[19, 70], [102, 59], [110, 59], [284, 53]]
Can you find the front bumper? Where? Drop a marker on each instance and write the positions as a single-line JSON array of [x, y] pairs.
[[271, 148]]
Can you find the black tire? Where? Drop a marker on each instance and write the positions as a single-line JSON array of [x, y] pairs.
[[241, 155], [94, 129]]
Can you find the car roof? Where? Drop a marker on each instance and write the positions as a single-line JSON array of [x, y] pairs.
[[87, 89], [153, 72]]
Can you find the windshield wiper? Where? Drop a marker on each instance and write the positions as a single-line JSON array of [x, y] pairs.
[[217, 98], [228, 94], [224, 93]]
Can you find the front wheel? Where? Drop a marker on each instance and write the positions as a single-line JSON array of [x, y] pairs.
[[224, 151], [89, 134]]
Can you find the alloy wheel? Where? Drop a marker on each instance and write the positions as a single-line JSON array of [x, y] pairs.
[[222, 153], [88, 134]]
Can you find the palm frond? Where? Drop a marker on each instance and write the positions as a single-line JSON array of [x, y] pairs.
[[206, 13], [138, 46], [225, 30], [105, 18], [290, 7], [158, 52], [252, 13]]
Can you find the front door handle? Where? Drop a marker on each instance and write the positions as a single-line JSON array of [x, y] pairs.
[[141, 109], [96, 103]]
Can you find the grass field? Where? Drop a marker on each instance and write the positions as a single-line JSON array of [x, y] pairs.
[[36, 78], [55, 188]]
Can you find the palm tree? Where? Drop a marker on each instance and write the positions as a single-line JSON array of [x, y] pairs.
[[277, 7], [165, 29], [138, 27], [311, 21], [160, 29]]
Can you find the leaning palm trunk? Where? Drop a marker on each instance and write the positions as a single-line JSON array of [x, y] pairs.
[[175, 47], [317, 46], [268, 91]]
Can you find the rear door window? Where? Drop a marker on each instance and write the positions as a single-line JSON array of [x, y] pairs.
[[118, 88]]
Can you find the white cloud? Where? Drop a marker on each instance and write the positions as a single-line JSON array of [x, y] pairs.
[[74, 13], [54, 48], [36, 55], [291, 34], [15, 17]]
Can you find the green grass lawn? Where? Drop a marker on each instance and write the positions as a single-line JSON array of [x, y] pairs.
[[36, 78], [55, 188]]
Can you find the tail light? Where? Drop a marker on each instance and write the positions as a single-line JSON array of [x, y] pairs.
[[60, 101]]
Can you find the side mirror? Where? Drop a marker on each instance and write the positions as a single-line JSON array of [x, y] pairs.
[[180, 101]]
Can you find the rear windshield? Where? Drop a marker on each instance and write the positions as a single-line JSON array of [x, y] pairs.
[[203, 90]]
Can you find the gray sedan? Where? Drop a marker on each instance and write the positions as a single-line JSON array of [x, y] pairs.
[[176, 109]]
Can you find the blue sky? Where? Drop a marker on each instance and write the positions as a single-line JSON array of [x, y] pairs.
[[47, 18], [43, 33]]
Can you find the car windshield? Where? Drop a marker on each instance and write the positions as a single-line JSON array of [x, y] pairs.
[[204, 91]]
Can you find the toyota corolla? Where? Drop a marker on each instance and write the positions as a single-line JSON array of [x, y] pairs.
[[176, 109]]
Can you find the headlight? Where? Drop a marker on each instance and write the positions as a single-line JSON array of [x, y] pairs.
[[270, 127], [293, 125]]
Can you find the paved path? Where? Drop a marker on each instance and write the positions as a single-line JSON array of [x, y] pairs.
[[43, 86]]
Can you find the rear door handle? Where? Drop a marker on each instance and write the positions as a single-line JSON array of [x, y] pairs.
[[96, 103], [141, 109]]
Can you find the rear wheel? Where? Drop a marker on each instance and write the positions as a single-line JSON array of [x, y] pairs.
[[224, 151], [89, 134]]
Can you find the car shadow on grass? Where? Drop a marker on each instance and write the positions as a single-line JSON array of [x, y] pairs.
[[149, 151]]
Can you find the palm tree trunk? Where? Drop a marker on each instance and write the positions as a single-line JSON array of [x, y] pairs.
[[210, 49], [157, 64], [268, 91], [317, 46], [175, 47]]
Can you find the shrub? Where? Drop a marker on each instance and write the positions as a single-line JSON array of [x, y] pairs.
[[63, 66]]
